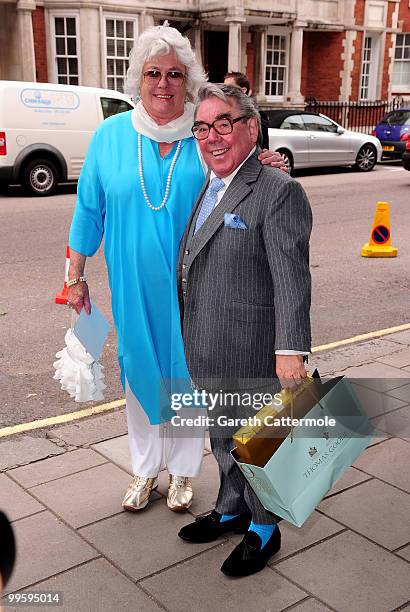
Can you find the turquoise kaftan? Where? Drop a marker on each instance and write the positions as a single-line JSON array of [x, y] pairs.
[[141, 248]]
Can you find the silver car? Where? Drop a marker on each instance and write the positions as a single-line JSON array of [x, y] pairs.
[[310, 140]]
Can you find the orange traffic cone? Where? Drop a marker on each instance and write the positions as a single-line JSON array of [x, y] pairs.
[[379, 244], [62, 296]]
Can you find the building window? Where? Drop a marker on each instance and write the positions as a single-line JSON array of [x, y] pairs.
[[66, 50], [369, 80], [120, 35], [275, 67], [401, 67], [366, 65]]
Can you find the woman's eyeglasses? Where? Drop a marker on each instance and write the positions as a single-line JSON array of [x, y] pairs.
[[175, 77], [223, 126]]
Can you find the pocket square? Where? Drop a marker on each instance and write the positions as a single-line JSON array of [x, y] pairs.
[[234, 221]]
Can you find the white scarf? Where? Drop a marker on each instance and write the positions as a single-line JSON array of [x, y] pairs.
[[170, 132]]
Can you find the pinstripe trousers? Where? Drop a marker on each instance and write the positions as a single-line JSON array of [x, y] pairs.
[[235, 495]]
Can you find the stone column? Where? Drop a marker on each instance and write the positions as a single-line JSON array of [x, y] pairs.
[[348, 65], [91, 28], [26, 39], [197, 43], [258, 41], [295, 67], [235, 48], [146, 21]]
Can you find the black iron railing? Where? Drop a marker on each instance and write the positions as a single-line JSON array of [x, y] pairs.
[[357, 116]]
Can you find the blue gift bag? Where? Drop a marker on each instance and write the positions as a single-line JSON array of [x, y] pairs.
[[312, 458]]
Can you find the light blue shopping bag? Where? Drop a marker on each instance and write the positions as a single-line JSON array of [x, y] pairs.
[[312, 458]]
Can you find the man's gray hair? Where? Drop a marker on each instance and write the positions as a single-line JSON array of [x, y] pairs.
[[245, 104], [161, 40]]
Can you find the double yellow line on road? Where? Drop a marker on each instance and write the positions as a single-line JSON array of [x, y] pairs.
[[369, 336], [82, 414], [62, 418]]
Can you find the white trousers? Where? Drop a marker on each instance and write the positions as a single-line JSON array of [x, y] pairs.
[[153, 447]]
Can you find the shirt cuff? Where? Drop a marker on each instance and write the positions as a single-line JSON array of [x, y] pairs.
[[290, 352]]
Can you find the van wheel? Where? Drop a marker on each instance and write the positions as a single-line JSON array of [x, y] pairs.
[[40, 177]]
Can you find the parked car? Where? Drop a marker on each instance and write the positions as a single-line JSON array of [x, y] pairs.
[[310, 140], [392, 132], [406, 155], [45, 130]]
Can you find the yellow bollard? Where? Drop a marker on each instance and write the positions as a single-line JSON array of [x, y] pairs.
[[379, 244]]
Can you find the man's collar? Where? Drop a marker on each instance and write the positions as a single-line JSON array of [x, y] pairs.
[[228, 179]]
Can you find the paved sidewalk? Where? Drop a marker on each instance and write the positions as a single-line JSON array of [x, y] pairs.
[[63, 493]]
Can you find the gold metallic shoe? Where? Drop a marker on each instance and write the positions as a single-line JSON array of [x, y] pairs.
[[138, 493], [179, 493]]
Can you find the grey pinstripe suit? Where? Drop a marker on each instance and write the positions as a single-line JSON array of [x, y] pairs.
[[243, 295]]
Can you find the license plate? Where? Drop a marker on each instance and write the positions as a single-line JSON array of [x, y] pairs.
[[386, 148]]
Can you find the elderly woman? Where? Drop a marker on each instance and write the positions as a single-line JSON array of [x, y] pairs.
[[138, 185]]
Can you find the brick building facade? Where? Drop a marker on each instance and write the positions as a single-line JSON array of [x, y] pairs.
[[290, 49], [40, 44]]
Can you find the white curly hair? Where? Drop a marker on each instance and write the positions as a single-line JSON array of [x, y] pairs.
[[161, 40]]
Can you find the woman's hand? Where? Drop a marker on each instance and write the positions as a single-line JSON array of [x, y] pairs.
[[79, 297], [272, 158]]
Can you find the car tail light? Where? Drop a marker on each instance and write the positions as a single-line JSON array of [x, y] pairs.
[[405, 136], [3, 147], [374, 132]]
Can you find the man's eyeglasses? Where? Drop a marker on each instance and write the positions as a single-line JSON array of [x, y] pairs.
[[154, 76], [223, 126]]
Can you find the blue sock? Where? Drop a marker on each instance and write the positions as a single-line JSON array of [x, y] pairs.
[[227, 517], [263, 531]]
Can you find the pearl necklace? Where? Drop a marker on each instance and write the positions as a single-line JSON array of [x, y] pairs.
[[168, 185]]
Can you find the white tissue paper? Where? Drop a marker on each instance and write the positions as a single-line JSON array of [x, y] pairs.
[[78, 372]]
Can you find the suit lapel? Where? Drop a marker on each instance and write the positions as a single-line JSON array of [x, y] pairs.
[[239, 188]]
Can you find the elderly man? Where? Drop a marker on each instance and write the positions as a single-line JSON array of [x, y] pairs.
[[244, 288]]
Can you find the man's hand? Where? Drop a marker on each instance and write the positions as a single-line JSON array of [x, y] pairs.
[[290, 370], [273, 158]]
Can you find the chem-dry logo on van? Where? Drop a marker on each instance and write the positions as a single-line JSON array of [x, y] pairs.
[[49, 99]]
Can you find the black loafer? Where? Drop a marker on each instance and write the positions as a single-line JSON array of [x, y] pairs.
[[208, 528], [248, 558]]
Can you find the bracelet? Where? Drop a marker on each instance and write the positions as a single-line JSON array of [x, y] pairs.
[[74, 281]]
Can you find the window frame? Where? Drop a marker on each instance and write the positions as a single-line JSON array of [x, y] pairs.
[[406, 87], [373, 74], [120, 17], [285, 33], [53, 14]]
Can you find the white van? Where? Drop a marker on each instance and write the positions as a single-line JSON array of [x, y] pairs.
[[45, 130]]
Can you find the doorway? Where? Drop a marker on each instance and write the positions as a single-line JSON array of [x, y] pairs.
[[216, 55]]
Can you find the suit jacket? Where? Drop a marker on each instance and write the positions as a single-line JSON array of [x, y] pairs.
[[245, 293]]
